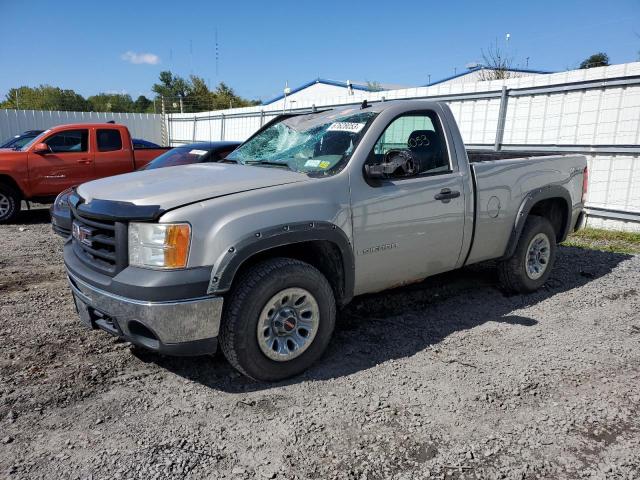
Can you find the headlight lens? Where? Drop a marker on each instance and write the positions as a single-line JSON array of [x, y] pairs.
[[62, 200], [159, 245]]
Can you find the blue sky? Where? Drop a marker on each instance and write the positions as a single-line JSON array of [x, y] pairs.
[[83, 45]]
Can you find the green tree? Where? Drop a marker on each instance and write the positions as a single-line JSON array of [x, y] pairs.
[[143, 105], [225, 97], [111, 102], [172, 88], [44, 97], [200, 98], [194, 95], [600, 59]]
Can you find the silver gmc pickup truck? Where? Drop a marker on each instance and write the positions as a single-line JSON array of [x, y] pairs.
[[258, 251]]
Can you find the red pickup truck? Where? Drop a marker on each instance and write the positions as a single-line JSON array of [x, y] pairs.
[[65, 156]]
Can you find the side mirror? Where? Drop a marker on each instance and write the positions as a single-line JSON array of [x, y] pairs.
[[41, 148], [374, 172]]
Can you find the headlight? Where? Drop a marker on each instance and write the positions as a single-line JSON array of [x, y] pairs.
[[159, 245], [62, 200]]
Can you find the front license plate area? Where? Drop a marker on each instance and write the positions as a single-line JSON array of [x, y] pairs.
[[83, 312], [105, 322], [93, 318]]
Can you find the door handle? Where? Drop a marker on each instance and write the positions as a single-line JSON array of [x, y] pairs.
[[85, 161], [447, 194]]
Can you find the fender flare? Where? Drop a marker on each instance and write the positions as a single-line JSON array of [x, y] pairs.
[[224, 272], [533, 197]]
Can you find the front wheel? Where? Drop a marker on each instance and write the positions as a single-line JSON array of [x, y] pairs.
[[10, 204], [530, 265], [278, 320]]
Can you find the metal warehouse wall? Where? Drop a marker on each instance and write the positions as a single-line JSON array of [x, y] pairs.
[[142, 125], [594, 111]]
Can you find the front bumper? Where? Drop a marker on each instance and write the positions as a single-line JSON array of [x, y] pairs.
[[177, 327]]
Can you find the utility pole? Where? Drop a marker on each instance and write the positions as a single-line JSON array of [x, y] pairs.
[[163, 131], [286, 91], [181, 106]]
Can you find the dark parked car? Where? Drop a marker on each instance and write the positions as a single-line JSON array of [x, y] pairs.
[[140, 143], [193, 153], [19, 141], [184, 155]]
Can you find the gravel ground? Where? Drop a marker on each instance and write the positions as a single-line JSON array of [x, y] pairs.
[[449, 378]]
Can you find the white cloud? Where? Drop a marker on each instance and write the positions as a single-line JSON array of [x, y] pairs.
[[140, 58]]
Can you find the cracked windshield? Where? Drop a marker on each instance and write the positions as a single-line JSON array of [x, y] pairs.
[[314, 143]]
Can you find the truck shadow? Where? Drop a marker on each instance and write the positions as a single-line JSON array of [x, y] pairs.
[[37, 215], [399, 323]]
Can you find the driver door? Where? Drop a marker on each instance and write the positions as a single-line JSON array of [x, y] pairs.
[[67, 163], [409, 224]]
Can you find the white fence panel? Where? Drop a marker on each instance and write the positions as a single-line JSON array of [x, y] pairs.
[[142, 125]]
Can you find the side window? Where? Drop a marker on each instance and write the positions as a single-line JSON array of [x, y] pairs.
[[412, 144], [109, 140], [69, 141]]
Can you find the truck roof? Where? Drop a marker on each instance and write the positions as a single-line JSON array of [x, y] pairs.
[[386, 105], [88, 125]]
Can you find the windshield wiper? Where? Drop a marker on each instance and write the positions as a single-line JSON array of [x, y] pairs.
[[267, 162]]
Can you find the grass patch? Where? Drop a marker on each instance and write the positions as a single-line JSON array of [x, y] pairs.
[[605, 240]]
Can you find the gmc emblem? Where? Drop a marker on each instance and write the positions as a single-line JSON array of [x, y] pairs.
[[81, 234]]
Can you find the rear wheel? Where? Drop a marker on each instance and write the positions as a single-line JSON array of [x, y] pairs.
[[10, 203], [530, 265], [278, 320]]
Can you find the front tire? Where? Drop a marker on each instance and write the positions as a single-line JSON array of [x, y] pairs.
[[278, 320], [530, 265], [10, 204]]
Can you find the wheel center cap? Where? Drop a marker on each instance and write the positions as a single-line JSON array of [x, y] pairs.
[[285, 321]]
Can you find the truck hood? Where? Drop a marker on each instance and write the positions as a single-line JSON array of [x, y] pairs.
[[172, 187]]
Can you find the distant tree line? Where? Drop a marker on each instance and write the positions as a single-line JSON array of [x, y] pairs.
[[173, 93]]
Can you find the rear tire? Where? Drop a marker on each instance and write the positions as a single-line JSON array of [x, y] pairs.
[[530, 265], [10, 204], [278, 319]]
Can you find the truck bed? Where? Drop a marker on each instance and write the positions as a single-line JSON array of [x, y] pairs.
[[502, 181], [476, 156]]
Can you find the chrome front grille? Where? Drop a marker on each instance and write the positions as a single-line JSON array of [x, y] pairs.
[[100, 243]]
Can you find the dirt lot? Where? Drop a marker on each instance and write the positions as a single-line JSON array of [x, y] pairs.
[[446, 379]]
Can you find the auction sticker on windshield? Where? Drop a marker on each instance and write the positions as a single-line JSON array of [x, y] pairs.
[[346, 127], [198, 152]]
